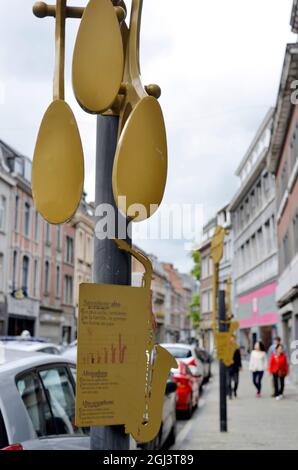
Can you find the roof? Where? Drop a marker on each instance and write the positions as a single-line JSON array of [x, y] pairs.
[[14, 362], [263, 126], [28, 346], [294, 17], [284, 106]]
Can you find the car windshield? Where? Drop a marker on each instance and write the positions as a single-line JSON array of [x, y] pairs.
[[179, 353]]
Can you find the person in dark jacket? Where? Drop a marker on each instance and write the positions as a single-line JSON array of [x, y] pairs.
[[233, 370]]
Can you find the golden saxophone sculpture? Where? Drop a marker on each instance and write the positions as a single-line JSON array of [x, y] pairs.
[[144, 420]]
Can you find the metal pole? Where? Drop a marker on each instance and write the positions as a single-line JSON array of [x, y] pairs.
[[111, 266], [222, 367]]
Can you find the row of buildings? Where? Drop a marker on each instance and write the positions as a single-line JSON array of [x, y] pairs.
[[261, 250], [42, 265], [172, 294]]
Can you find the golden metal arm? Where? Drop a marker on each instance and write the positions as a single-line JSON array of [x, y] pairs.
[[141, 258], [43, 10]]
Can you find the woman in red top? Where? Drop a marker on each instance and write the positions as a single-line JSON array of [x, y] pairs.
[[279, 368]]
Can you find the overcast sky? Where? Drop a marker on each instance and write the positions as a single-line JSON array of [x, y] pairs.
[[218, 63]]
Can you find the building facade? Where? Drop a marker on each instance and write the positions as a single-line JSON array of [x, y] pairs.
[[6, 190], [180, 328], [283, 162], [254, 243], [171, 296], [23, 290], [39, 263], [206, 287]]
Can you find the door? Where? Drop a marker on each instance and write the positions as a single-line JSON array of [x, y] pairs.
[[18, 324]]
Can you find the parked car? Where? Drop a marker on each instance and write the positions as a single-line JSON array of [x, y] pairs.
[[32, 346], [37, 402], [37, 391], [188, 354], [70, 352], [167, 434], [187, 389]]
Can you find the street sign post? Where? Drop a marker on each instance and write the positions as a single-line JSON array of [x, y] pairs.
[[222, 326], [131, 164]]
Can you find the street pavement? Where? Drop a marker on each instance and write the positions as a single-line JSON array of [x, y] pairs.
[[253, 423]]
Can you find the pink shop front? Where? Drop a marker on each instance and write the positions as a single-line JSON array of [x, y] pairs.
[[258, 316]]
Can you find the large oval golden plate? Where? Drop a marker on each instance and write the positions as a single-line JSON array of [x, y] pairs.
[[58, 165], [98, 59], [141, 162]]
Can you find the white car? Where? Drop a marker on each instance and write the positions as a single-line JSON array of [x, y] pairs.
[[71, 352], [31, 346], [188, 354], [37, 402]]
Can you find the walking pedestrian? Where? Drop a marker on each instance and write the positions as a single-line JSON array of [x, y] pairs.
[[233, 370], [272, 350], [257, 365], [279, 368], [274, 345]]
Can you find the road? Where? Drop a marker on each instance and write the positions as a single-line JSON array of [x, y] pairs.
[[254, 423]]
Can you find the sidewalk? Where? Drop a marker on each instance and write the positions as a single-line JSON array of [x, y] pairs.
[[254, 423]]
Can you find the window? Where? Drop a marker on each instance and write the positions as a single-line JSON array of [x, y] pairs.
[[58, 234], [247, 210], [57, 293], [14, 269], [210, 271], [283, 180], [266, 182], [16, 214], [267, 234], [36, 226], [2, 213], [294, 149], [259, 194], [204, 268], [68, 290], [60, 393], [210, 301], [241, 218], [35, 275], [286, 251], [25, 274], [254, 247], [1, 272], [46, 277], [89, 250], [48, 233], [49, 400], [33, 397], [27, 219], [69, 250], [252, 202], [242, 259], [295, 232], [81, 246], [260, 244]]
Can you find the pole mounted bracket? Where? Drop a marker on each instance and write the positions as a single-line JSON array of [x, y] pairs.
[[43, 10]]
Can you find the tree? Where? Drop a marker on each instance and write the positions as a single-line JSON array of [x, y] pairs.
[[194, 310], [196, 270], [194, 306]]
